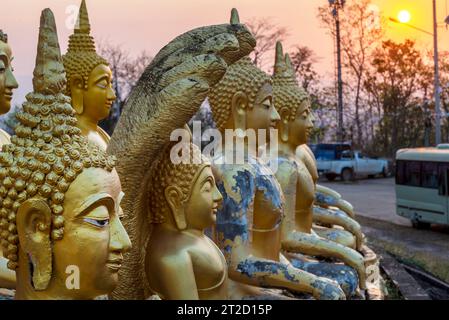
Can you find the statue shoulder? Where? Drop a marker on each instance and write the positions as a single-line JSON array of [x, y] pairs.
[[103, 134], [5, 138], [306, 156], [287, 165]]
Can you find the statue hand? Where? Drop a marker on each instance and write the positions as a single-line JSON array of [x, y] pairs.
[[326, 197], [327, 289]]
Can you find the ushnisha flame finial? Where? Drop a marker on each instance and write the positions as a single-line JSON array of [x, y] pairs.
[[49, 75], [235, 17], [83, 25]]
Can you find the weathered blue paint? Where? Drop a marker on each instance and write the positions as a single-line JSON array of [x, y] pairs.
[[232, 218], [268, 184], [250, 268], [328, 292], [325, 199], [333, 235], [346, 276]]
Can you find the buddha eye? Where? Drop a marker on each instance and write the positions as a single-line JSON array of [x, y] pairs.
[[98, 223], [267, 104], [207, 186], [102, 84]]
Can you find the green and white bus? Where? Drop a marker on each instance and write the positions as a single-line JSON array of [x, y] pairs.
[[422, 186]]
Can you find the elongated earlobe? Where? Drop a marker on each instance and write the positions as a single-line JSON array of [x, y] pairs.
[[284, 125], [239, 105], [173, 195], [284, 130], [34, 229], [77, 92]]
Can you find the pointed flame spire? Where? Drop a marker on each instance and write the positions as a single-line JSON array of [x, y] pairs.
[[49, 74], [279, 64], [82, 24], [235, 19]]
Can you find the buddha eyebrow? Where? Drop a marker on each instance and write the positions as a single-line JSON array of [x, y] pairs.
[[265, 98], [119, 200], [207, 179], [100, 78], [94, 201]]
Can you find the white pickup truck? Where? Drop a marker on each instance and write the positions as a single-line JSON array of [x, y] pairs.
[[350, 165]]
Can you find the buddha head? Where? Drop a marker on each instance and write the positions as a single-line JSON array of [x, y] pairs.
[[184, 194], [243, 98], [89, 76], [7, 80], [60, 195], [292, 102]]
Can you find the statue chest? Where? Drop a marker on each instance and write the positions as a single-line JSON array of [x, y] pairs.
[[252, 201], [210, 269], [305, 192]]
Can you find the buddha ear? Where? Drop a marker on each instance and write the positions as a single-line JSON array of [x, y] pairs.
[[77, 91], [239, 105], [283, 124], [34, 228], [173, 195]]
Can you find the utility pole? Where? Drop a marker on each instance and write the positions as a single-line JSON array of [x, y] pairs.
[[336, 6], [437, 77]]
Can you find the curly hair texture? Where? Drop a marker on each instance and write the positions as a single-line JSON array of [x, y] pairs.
[[47, 152], [242, 76], [3, 36], [166, 173], [288, 94]]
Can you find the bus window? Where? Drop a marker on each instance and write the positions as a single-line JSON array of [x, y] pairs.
[[400, 166], [412, 173], [442, 179], [429, 175]]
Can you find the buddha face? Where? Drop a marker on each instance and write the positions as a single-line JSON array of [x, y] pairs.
[[202, 205], [94, 238], [263, 115], [96, 101], [301, 127], [7, 80]]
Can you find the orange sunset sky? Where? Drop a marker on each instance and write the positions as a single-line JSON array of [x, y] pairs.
[[149, 24]]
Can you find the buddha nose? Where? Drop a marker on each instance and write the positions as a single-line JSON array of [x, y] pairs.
[[111, 94], [11, 81], [217, 197], [274, 117], [119, 240], [312, 117]]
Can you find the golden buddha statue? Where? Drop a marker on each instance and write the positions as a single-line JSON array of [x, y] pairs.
[[166, 97], [89, 81], [60, 211], [7, 81], [183, 202], [298, 184], [336, 210], [249, 222], [7, 84]]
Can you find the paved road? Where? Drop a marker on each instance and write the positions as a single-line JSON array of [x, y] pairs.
[[372, 198], [374, 204]]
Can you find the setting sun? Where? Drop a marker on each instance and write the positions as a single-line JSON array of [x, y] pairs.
[[404, 16]]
